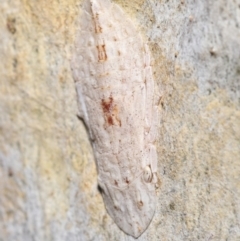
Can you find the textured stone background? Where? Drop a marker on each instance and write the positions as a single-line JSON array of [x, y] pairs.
[[48, 178]]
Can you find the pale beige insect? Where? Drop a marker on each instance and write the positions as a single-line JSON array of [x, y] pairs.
[[115, 87]]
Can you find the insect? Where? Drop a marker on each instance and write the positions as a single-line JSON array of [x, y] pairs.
[[115, 89]]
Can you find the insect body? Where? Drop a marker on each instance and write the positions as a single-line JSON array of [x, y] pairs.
[[115, 87]]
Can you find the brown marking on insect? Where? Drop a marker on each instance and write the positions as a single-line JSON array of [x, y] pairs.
[[102, 55], [115, 183], [117, 208], [98, 28], [11, 25], [10, 172], [139, 228], [140, 204], [110, 111], [213, 52], [127, 181], [110, 120], [107, 105]]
